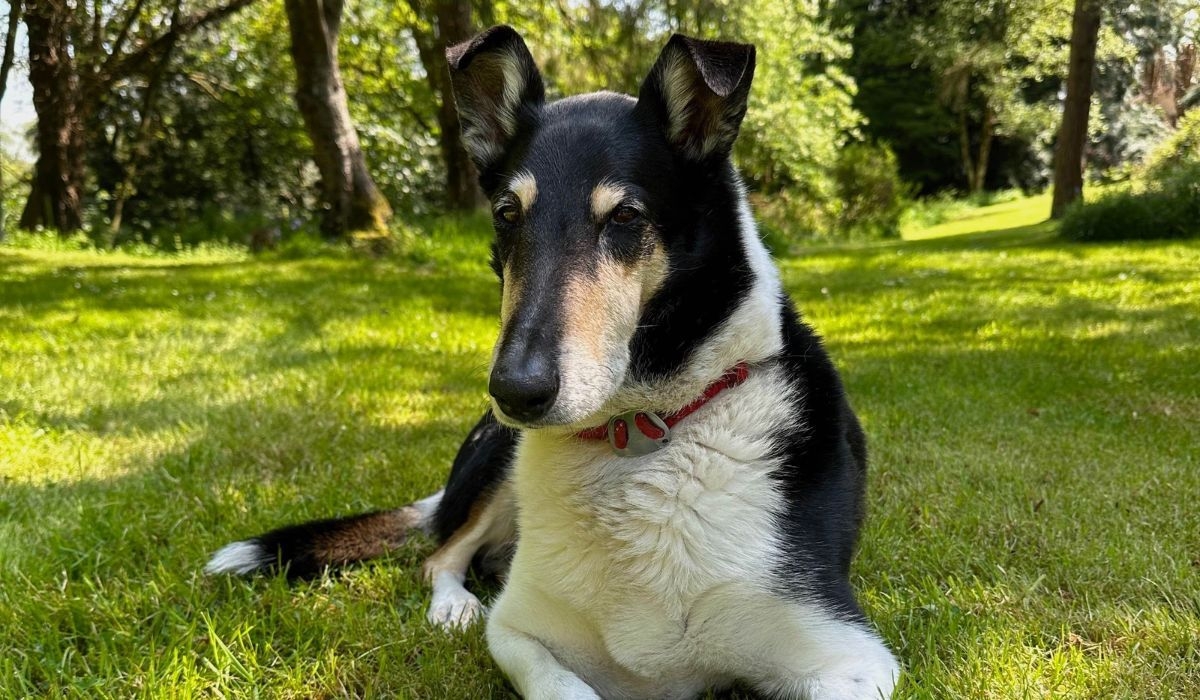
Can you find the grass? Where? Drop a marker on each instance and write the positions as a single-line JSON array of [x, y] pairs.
[[1033, 408], [1015, 218]]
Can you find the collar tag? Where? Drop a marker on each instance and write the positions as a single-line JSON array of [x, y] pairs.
[[637, 433]]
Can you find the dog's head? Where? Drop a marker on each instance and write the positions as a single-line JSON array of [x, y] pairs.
[[601, 204]]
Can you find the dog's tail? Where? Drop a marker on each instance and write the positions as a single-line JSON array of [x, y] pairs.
[[307, 549]]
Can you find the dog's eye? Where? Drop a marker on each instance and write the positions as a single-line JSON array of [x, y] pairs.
[[508, 213], [624, 215]]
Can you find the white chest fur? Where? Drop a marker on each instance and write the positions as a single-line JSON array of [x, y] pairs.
[[622, 556]]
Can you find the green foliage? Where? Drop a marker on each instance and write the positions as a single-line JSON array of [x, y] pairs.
[[801, 109], [1167, 208], [14, 185], [953, 87], [392, 105], [967, 93], [868, 201], [872, 195], [225, 142], [898, 95], [1177, 151], [1162, 201]]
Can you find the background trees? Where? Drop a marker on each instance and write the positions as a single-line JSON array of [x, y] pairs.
[[1072, 135], [350, 200], [78, 55], [157, 116]]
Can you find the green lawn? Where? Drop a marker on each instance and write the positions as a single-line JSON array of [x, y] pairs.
[[1033, 407]]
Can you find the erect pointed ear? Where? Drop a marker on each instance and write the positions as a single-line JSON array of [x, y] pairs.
[[698, 90], [497, 88]]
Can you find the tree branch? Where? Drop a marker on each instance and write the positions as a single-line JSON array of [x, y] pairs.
[[137, 60], [122, 36], [10, 43]]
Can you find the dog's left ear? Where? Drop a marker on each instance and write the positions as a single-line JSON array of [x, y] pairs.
[[497, 88], [697, 91]]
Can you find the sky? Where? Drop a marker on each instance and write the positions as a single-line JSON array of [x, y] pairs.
[[16, 111]]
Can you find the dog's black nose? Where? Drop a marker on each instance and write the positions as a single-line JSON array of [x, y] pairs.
[[525, 389]]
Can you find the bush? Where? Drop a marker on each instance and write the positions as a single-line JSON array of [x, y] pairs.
[[14, 184], [1162, 202], [872, 195], [1167, 208], [865, 201], [1181, 148]]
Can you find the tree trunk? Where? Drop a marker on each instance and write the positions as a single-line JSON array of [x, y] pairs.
[[451, 23], [462, 190], [986, 131], [6, 64], [964, 148], [351, 200], [1072, 135], [55, 198], [10, 44]]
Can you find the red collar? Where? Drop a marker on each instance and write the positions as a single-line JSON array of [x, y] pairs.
[[652, 431]]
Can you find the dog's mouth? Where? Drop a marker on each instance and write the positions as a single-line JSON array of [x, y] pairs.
[[568, 409], [569, 390]]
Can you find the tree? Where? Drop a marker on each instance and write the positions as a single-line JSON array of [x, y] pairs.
[[55, 198], [8, 52], [7, 56], [442, 23], [1072, 135], [351, 200], [78, 52]]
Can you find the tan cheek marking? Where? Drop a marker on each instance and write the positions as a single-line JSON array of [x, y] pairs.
[[653, 272], [598, 306], [605, 198], [510, 295], [591, 303]]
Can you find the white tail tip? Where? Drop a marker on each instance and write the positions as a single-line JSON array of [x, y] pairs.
[[238, 558]]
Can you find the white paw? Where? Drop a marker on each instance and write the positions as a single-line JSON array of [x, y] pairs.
[[852, 687], [455, 610], [566, 687]]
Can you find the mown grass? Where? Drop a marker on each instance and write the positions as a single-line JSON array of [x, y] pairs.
[[1033, 408]]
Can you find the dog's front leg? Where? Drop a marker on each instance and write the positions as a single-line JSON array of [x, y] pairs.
[[531, 667]]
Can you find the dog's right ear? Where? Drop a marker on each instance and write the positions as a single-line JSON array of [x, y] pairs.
[[497, 88]]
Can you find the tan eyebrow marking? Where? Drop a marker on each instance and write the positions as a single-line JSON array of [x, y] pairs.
[[605, 198], [525, 187]]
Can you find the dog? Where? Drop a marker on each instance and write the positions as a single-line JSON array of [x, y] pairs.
[[670, 478]]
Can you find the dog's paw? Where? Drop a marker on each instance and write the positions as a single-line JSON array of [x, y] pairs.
[[848, 687], [567, 687], [456, 610]]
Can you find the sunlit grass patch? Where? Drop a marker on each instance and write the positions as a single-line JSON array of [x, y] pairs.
[[1032, 407]]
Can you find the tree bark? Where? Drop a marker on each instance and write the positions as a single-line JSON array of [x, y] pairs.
[[10, 44], [55, 198], [450, 22], [987, 130], [352, 201], [6, 64], [1072, 134]]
